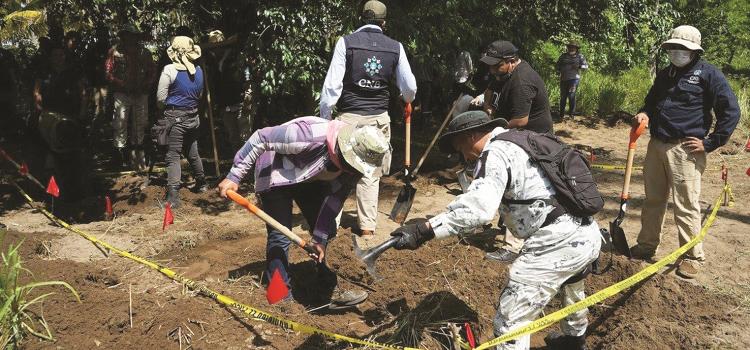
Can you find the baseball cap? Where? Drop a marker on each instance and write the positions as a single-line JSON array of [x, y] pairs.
[[374, 9], [497, 51]]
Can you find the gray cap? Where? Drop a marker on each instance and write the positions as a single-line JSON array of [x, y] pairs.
[[373, 9]]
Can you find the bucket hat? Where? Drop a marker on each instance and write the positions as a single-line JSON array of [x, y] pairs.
[[363, 147], [687, 36], [183, 53], [465, 122]]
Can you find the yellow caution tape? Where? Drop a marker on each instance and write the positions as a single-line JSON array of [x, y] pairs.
[[220, 298], [610, 291]]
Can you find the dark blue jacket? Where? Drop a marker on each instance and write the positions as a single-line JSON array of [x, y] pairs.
[[679, 104]]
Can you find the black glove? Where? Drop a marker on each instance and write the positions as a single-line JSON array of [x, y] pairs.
[[412, 236]]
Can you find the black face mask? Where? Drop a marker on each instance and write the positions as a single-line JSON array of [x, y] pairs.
[[503, 77]]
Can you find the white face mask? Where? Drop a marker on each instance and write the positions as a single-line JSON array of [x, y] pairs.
[[680, 58]]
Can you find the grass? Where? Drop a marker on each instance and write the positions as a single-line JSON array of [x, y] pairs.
[[17, 320]]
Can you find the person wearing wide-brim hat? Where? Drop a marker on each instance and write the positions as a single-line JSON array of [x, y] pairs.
[[680, 108], [569, 65], [130, 72], [509, 180], [315, 163], [179, 92]]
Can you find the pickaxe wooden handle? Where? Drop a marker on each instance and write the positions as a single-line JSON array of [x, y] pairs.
[[237, 198]]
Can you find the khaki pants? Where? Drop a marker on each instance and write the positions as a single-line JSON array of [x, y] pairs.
[[238, 125], [368, 187], [669, 167], [134, 108]]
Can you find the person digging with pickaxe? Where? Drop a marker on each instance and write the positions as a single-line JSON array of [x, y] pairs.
[[559, 246], [315, 163]]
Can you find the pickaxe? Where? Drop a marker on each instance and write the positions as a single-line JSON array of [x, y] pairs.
[[369, 256]]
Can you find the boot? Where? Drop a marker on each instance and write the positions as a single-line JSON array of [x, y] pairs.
[[200, 185], [558, 341], [173, 197]]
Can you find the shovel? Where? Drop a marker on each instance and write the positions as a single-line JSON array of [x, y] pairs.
[[618, 235], [369, 256], [271, 221], [406, 197]]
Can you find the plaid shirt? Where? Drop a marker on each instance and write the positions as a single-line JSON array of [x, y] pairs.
[[295, 152]]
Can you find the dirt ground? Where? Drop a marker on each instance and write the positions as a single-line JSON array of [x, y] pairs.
[[221, 245]]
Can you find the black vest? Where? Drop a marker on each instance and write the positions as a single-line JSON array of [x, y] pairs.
[[371, 61]]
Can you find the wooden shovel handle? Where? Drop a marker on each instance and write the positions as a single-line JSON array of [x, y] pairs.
[[237, 198], [435, 138], [635, 133], [407, 148]]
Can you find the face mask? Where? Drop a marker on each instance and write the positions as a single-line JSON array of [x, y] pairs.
[[680, 58]]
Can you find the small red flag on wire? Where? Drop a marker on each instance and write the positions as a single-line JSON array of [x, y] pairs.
[[24, 169], [747, 145], [52, 187], [168, 217], [277, 289], [748, 172], [108, 208], [470, 336]]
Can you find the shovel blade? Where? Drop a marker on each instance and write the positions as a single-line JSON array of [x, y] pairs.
[[618, 240], [463, 180], [403, 204]]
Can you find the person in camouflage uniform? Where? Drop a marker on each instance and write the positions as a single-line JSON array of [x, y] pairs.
[[558, 247]]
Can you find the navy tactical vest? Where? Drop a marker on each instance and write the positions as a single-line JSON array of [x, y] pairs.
[[371, 61]]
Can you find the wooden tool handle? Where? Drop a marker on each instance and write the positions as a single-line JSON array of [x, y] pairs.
[[407, 148], [435, 138], [628, 171], [209, 110], [237, 198]]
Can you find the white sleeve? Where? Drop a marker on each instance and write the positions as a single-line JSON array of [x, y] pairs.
[[334, 82], [479, 204], [168, 75], [404, 77]]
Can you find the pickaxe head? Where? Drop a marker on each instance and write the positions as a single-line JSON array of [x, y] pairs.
[[369, 256]]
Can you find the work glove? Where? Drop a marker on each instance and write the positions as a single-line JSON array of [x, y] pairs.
[[412, 236]]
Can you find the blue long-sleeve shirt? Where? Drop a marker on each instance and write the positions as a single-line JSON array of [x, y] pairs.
[[679, 104]]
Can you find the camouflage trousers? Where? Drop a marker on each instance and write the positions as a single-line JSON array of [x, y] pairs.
[[539, 273]]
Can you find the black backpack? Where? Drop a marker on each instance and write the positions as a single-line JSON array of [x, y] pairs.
[[566, 168]]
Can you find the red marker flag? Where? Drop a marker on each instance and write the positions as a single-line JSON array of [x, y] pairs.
[[747, 145], [52, 187], [748, 172], [108, 208], [470, 336], [277, 289], [24, 169], [168, 217]]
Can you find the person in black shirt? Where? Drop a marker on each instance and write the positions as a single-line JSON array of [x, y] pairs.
[[517, 94]]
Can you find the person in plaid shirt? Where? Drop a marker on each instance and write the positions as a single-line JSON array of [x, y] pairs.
[[315, 163]]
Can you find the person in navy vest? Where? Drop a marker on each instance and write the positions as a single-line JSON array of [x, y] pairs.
[[363, 66], [179, 92], [680, 109]]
